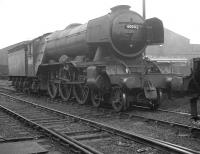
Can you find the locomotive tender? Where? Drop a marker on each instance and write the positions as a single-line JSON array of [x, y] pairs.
[[101, 61]]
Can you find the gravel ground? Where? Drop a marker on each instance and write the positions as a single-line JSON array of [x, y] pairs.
[[11, 128], [133, 125], [179, 103], [122, 146], [107, 144]]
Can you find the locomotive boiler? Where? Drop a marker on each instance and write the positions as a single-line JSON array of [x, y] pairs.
[[101, 61]]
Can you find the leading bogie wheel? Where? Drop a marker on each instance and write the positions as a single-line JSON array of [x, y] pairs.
[[118, 99]]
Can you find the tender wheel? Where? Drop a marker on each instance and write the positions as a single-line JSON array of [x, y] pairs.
[[118, 99], [81, 93], [25, 86], [28, 88], [153, 104], [14, 82], [97, 98], [17, 84], [21, 83], [64, 88]]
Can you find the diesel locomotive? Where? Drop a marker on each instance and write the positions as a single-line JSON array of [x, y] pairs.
[[101, 61]]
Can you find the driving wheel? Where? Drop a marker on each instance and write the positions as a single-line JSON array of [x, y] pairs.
[[81, 93], [64, 87]]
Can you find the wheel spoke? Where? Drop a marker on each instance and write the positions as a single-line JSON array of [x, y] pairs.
[[65, 91], [64, 88], [81, 93], [52, 87], [118, 99]]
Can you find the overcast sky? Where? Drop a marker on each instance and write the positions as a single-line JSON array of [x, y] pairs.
[[22, 20]]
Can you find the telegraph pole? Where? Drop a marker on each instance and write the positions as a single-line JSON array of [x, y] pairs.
[[144, 16], [144, 9]]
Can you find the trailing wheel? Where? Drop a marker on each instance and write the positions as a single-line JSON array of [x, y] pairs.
[[52, 86], [65, 88], [52, 89], [97, 98], [118, 99], [81, 93]]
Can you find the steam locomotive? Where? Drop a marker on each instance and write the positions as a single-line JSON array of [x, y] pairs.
[[101, 61]]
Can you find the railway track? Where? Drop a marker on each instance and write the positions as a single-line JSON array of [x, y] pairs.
[[12, 130], [192, 129], [64, 126], [162, 110], [133, 106], [18, 137]]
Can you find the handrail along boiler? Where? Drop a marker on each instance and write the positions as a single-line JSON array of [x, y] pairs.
[[101, 61]]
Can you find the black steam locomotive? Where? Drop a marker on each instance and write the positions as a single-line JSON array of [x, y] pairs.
[[101, 61]]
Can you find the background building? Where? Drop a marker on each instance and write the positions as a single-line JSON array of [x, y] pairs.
[[175, 46]]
